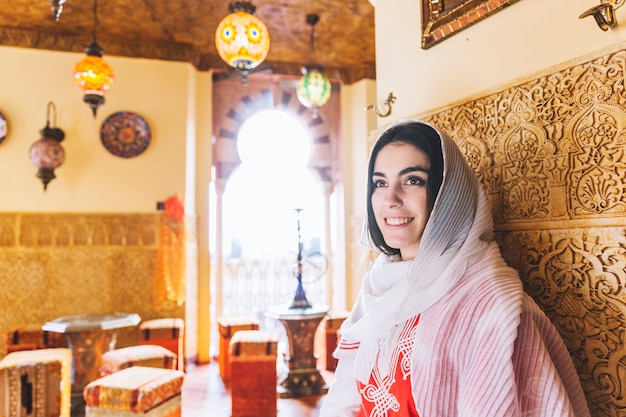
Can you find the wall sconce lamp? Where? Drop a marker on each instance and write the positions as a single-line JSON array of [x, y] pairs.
[[388, 102], [604, 13], [57, 8], [92, 74], [241, 39], [47, 153]]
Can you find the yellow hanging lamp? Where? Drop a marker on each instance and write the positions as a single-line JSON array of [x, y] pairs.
[[241, 39]]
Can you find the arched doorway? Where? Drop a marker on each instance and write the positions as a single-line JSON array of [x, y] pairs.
[[267, 198], [232, 107]]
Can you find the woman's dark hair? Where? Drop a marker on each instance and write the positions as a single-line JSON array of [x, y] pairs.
[[424, 138]]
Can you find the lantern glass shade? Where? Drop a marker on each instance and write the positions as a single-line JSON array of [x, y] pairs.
[[242, 40], [313, 89], [47, 153], [93, 75]]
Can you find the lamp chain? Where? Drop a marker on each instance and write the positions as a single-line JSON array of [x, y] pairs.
[[95, 18], [312, 54], [312, 20]]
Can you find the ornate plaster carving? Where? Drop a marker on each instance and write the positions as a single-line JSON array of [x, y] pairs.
[[551, 154]]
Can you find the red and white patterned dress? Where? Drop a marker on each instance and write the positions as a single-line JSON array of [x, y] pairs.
[[388, 392]]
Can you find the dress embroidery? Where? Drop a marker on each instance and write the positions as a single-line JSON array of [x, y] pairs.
[[388, 392]]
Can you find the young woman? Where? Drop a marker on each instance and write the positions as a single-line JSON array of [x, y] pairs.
[[442, 327]]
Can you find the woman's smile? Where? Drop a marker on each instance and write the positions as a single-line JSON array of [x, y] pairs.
[[398, 221]]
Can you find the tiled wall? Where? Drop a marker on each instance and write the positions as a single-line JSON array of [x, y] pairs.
[[551, 153], [60, 264]]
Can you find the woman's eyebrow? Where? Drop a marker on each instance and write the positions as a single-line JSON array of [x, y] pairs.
[[404, 171], [414, 169]]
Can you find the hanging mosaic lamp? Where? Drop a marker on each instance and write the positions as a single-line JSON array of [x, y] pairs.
[[241, 39], [92, 73], [47, 154], [313, 88]]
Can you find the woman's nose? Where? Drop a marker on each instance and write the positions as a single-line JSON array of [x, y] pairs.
[[393, 197]]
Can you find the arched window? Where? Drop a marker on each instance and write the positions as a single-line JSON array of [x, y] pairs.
[[266, 199]]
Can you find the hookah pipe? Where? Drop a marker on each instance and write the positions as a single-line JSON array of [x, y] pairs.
[[299, 300]]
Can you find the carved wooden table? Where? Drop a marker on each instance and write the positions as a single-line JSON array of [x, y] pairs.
[[88, 336], [301, 324]]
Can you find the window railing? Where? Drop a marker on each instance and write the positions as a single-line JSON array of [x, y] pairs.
[[251, 286]]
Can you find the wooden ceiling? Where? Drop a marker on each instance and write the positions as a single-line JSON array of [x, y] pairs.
[[184, 30]]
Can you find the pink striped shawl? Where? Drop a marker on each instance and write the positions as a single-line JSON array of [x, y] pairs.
[[484, 349]]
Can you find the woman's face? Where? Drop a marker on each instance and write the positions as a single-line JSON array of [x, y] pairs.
[[399, 200]]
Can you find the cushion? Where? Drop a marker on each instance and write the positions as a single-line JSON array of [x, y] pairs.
[[141, 355], [137, 389]]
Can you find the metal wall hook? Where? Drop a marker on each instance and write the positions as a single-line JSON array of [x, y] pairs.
[[51, 107], [52, 131], [604, 13], [388, 102]]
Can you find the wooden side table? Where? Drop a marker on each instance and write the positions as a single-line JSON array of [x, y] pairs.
[[301, 324], [88, 336]]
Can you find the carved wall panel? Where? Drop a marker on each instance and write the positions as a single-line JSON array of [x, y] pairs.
[[551, 154]]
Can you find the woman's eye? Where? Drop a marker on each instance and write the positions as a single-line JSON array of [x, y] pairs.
[[415, 181], [379, 183]]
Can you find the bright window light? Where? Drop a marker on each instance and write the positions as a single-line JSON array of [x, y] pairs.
[[273, 180]]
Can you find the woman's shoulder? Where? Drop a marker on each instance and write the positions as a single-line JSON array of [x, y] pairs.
[[493, 296], [482, 288]]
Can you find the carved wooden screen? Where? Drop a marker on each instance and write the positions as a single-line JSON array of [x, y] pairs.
[[551, 153]]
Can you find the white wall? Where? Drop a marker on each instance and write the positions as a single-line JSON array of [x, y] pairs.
[[515, 42], [175, 100], [91, 179]]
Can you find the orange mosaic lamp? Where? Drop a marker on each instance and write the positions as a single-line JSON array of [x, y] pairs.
[[94, 76], [241, 39]]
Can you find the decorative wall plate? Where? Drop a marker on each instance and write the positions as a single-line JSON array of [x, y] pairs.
[[4, 127], [125, 134]]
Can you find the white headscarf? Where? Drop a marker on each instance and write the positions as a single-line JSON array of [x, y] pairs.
[[459, 230]]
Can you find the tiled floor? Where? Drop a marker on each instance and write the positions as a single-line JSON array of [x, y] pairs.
[[204, 395]]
